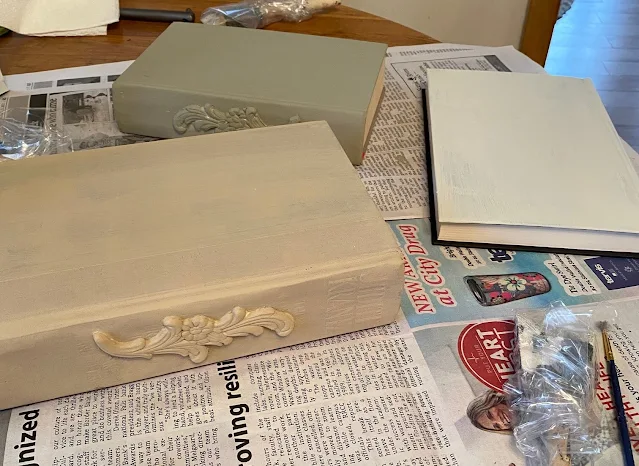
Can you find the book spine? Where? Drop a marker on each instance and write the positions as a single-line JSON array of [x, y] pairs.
[[168, 113], [160, 334]]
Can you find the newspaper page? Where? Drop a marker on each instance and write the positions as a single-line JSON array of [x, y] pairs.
[[76, 103], [460, 302], [361, 398], [393, 170], [68, 79], [444, 284], [84, 116], [470, 363]]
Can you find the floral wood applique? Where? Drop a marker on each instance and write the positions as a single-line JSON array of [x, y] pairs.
[[192, 336], [208, 119]]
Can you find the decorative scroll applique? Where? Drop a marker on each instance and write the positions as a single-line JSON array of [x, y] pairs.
[[192, 336], [208, 119]]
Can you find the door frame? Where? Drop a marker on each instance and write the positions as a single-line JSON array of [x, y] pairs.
[[538, 27]]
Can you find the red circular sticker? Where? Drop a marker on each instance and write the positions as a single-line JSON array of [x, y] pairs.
[[486, 348]]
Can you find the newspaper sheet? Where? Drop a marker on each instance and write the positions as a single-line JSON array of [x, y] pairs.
[[76, 103], [68, 79], [393, 170], [459, 303], [448, 284], [362, 398], [470, 363]]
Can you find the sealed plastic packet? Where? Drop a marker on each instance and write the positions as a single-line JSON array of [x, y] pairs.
[[552, 394], [257, 14], [30, 136]]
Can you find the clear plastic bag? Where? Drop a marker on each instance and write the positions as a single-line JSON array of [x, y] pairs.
[[552, 395], [19, 140], [260, 13]]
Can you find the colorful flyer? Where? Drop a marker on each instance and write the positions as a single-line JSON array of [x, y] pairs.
[[615, 272], [450, 284]]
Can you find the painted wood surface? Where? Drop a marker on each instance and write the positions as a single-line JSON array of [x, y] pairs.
[[255, 240]]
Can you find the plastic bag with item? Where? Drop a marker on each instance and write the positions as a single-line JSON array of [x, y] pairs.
[[260, 13], [552, 395], [25, 134]]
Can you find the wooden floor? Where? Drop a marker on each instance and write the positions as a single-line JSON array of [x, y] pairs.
[[599, 39]]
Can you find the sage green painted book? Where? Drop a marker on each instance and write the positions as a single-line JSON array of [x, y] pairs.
[[198, 79]]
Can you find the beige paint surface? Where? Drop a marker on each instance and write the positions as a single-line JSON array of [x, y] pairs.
[[475, 22], [117, 239]]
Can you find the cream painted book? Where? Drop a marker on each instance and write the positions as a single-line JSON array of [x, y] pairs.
[[124, 263], [528, 161]]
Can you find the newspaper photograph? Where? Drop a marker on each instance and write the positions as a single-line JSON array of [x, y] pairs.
[[450, 284], [361, 398]]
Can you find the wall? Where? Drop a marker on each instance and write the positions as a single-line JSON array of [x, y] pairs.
[[476, 22]]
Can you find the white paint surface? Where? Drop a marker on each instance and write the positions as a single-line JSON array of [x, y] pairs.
[[520, 152]]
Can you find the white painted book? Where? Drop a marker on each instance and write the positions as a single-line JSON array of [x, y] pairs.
[[527, 161], [125, 263]]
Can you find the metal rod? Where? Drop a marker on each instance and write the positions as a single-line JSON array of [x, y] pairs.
[[139, 14]]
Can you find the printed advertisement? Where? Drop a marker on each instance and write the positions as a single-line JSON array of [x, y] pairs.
[[471, 362], [473, 397], [451, 284]]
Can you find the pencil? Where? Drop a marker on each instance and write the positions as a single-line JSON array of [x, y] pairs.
[[616, 394]]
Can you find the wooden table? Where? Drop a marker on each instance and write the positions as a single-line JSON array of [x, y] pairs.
[[126, 40]]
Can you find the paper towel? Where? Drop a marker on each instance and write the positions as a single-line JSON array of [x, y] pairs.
[[3, 85], [58, 17], [96, 31]]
